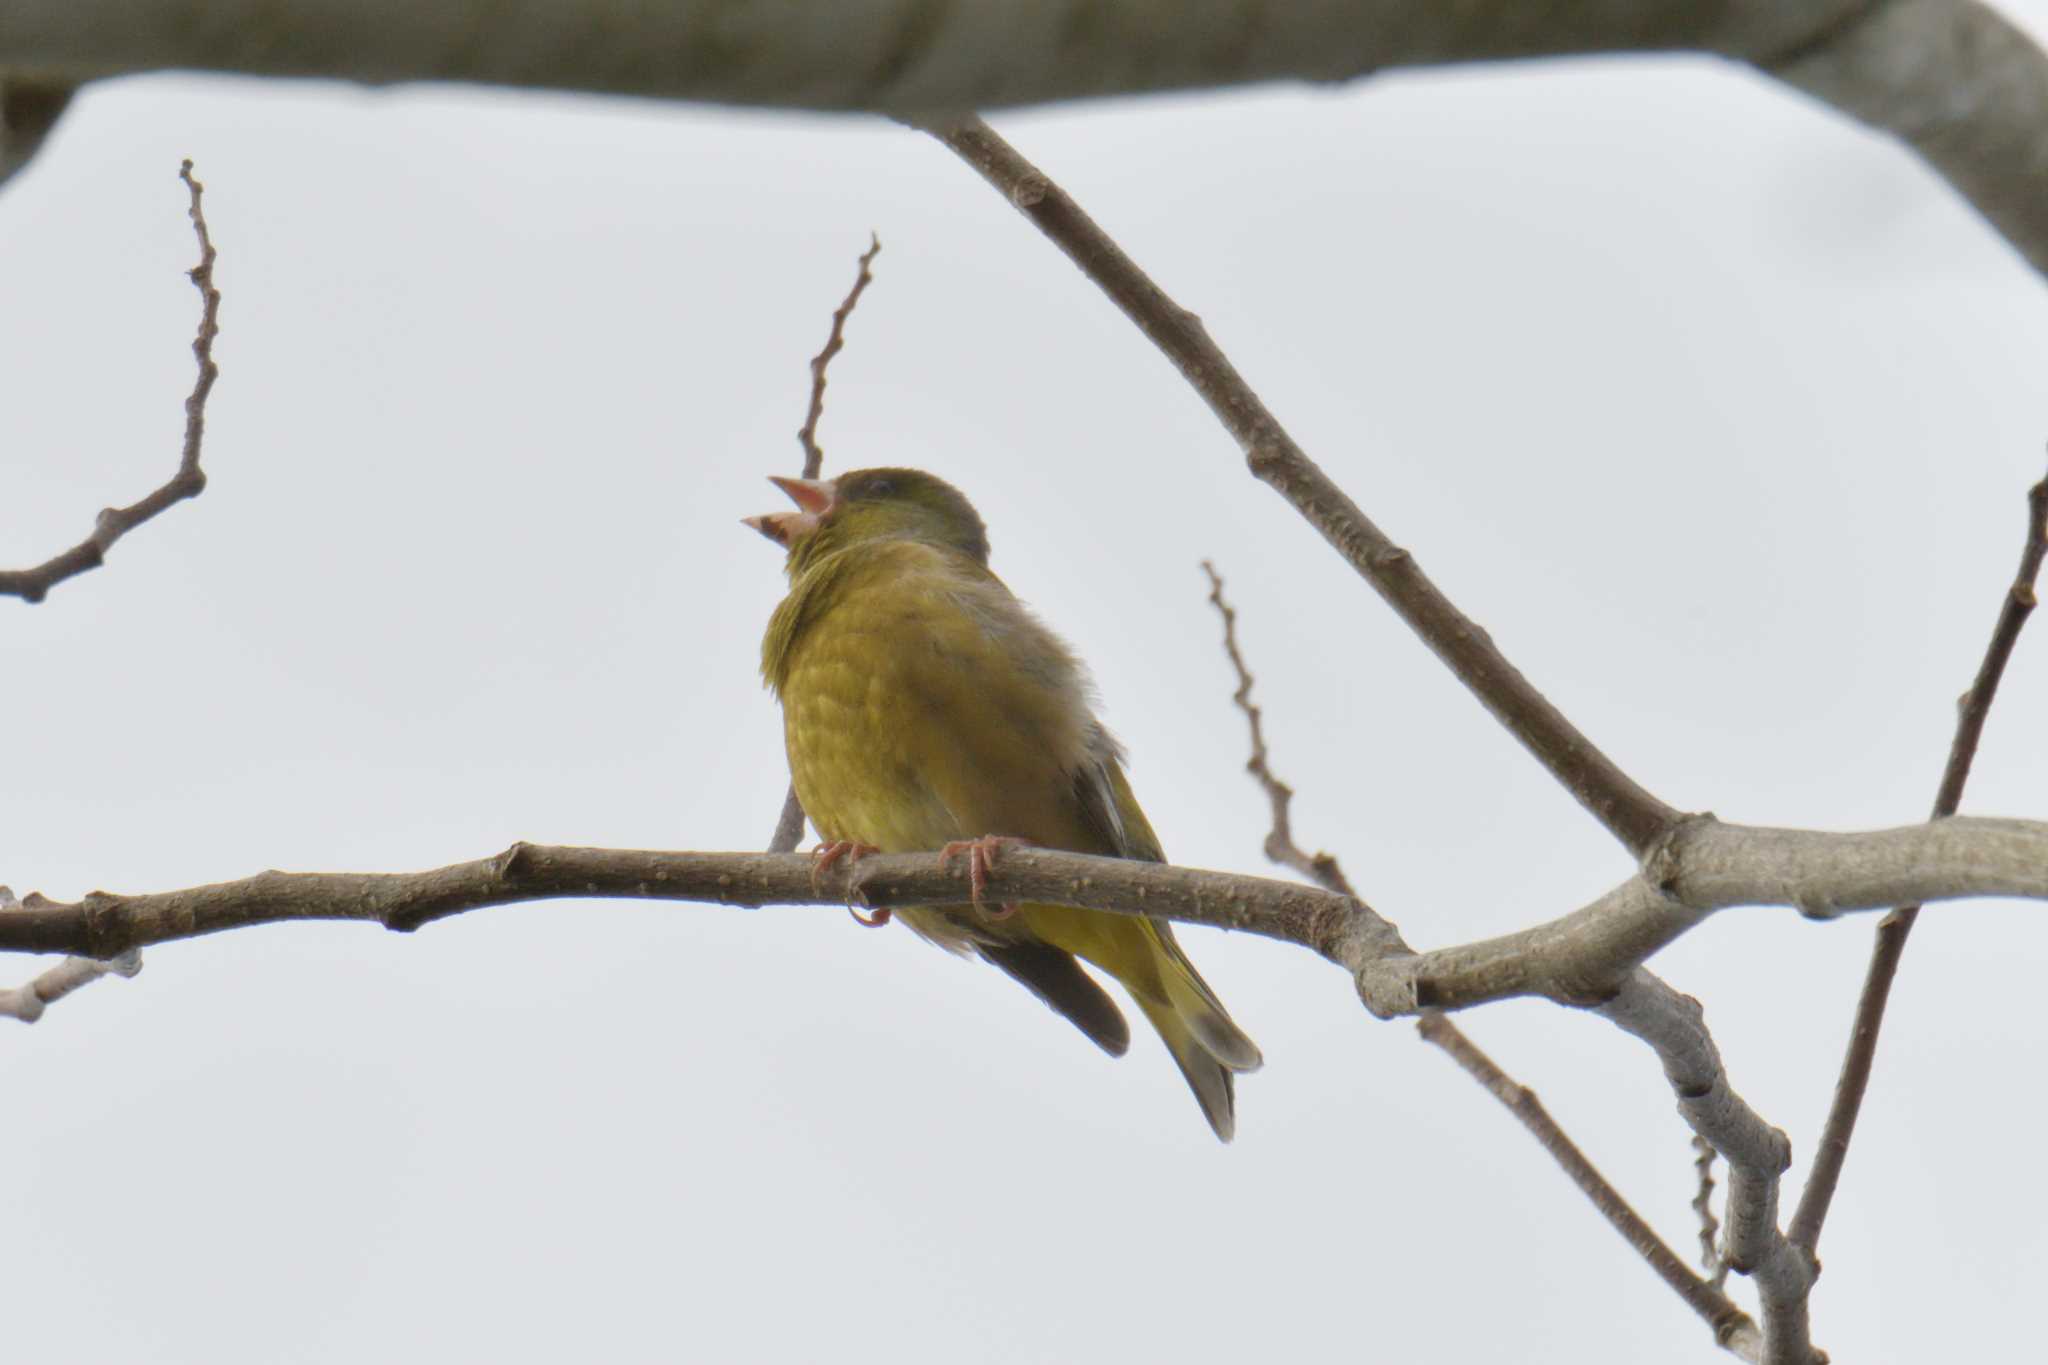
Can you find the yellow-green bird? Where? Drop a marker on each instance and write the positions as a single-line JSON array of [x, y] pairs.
[[924, 706]]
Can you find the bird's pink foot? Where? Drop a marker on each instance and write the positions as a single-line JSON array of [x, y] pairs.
[[981, 857], [852, 850]]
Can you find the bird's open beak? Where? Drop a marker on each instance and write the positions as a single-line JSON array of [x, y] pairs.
[[813, 499]]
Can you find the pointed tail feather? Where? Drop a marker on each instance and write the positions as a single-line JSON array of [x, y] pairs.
[[1199, 1008], [1207, 1077]]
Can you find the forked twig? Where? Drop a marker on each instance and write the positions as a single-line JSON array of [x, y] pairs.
[[1732, 1327], [1703, 1206], [1832, 1151], [189, 480]]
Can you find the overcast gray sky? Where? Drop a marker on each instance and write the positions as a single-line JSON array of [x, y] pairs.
[[1716, 410]]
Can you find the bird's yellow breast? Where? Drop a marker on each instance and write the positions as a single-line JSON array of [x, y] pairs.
[[922, 704]]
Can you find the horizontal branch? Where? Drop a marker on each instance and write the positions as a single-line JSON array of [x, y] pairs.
[[103, 924], [896, 56], [1580, 959], [1959, 84], [1584, 957]]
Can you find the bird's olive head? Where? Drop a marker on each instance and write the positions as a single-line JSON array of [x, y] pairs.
[[871, 504]]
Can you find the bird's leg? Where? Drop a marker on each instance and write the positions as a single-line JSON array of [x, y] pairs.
[[981, 860], [853, 850]]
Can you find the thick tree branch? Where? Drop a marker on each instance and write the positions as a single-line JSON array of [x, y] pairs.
[[1582, 958], [27, 1002], [29, 109], [1629, 812], [895, 56], [1960, 85], [1832, 1151], [187, 482], [1757, 1155], [1706, 866]]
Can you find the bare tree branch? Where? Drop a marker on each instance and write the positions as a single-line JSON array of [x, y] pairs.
[[29, 109], [1973, 710], [1629, 812], [789, 826], [1280, 847], [1956, 82], [1732, 1327], [1703, 1208], [1720, 866], [1757, 1155], [807, 435], [27, 1002], [188, 481], [1706, 866], [884, 55]]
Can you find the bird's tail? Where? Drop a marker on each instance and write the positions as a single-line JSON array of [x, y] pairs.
[[1205, 1041]]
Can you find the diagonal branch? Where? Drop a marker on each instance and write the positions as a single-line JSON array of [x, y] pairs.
[[32, 585], [1975, 707], [1732, 1327], [1757, 1155], [1629, 812]]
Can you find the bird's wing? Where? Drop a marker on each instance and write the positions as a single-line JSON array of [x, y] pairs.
[[1057, 979]]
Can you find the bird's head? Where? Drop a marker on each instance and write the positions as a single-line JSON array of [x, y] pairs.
[[867, 505]]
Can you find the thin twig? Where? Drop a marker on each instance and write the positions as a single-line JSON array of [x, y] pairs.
[[1729, 1323], [32, 585], [1279, 846], [1703, 1206], [1732, 1327], [1832, 1151], [789, 826], [807, 435], [1634, 816]]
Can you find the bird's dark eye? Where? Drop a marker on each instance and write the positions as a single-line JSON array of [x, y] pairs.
[[881, 488]]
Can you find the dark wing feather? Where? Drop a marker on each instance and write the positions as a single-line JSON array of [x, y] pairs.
[[1057, 979]]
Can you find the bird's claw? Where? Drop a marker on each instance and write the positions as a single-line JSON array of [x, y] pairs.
[[981, 857], [852, 850]]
